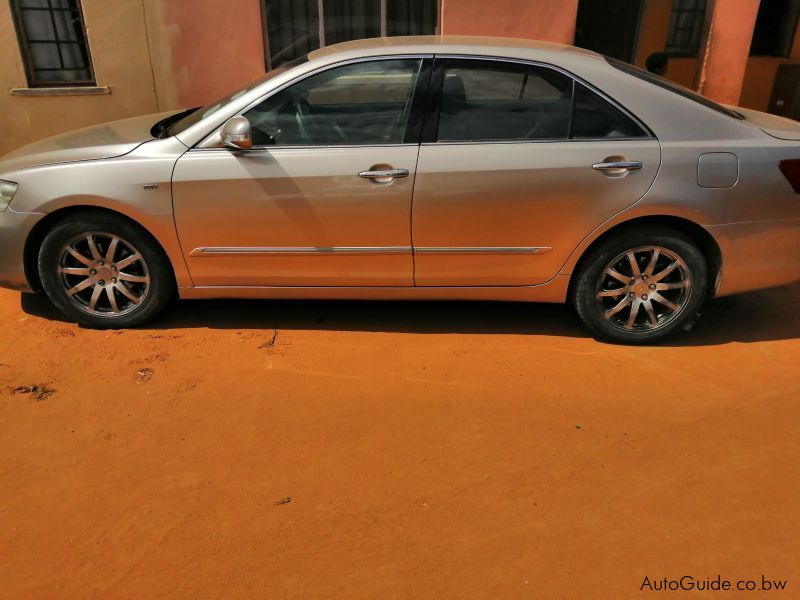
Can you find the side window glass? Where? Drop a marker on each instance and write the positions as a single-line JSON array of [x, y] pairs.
[[485, 101], [358, 104], [595, 117]]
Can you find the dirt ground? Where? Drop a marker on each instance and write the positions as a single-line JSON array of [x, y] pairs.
[[239, 449]]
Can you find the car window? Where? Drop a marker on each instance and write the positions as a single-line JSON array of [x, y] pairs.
[[595, 117], [496, 101], [362, 103], [486, 101]]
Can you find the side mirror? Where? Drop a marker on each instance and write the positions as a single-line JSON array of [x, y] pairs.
[[236, 134]]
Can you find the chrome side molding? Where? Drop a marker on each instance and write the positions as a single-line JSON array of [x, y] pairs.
[[257, 250], [482, 249]]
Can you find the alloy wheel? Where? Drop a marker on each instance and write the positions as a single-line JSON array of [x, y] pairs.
[[643, 289], [103, 274]]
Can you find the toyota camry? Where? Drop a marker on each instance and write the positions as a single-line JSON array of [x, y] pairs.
[[454, 168]]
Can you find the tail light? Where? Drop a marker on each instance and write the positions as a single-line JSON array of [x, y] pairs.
[[791, 170]]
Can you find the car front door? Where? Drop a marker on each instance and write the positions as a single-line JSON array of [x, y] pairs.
[[324, 196], [519, 162]]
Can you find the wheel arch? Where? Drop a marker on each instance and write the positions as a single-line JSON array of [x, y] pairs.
[[705, 242], [39, 231]]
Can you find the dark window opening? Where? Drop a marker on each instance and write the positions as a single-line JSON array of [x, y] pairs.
[[296, 27], [775, 27], [593, 118], [686, 28], [609, 28], [52, 39]]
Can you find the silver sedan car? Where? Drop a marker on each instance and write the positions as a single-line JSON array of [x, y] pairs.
[[416, 168]]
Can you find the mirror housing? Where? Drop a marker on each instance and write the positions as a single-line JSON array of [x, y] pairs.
[[236, 134]]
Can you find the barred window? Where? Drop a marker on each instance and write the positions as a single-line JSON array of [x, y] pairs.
[[295, 27], [52, 39], [686, 27]]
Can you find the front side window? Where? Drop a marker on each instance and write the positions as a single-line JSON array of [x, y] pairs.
[[492, 101], [364, 103], [52, 40], [296, 27]]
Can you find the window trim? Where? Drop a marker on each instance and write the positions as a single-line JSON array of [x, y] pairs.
[[431, 125], [27, 57], [416, 117]]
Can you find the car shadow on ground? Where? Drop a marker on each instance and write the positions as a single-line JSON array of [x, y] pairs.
[[754, 317]]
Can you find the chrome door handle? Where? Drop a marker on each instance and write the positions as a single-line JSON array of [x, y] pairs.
[[384, 174], [633, 165]]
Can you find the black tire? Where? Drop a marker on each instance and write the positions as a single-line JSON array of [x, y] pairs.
[[154, 264], [592, 278]]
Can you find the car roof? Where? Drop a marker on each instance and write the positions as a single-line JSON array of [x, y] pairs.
[[432, 44], [651, 104]]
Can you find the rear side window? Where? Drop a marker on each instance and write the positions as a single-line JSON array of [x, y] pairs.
[[482, 100], [595, 117], [502, 101]]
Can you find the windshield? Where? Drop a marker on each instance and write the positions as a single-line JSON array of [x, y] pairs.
[[671, 86], [195, 115]]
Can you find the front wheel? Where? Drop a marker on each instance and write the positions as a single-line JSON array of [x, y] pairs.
[[641, 286], [104, 272]]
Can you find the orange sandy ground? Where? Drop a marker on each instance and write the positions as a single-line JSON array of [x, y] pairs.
[[394, 450]]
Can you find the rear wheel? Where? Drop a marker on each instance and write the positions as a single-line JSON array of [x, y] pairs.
[[641, 286], [103, 271]]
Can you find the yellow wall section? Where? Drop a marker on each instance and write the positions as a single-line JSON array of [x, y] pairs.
[[120, 54]]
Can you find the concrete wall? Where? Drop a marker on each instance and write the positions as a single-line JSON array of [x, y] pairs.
[[203, 49], [550, 20], [653, 33], [760, 76], [759, 71], [153, 55], [727, 48], [120, 54]]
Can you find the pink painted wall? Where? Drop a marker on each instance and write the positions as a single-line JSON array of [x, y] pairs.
[[214, 46], [550, 20]]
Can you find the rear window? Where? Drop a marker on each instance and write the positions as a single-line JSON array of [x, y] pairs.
[[671, 86]]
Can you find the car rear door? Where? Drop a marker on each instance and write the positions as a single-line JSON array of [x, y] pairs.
[[519, 162], [324, 196]]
